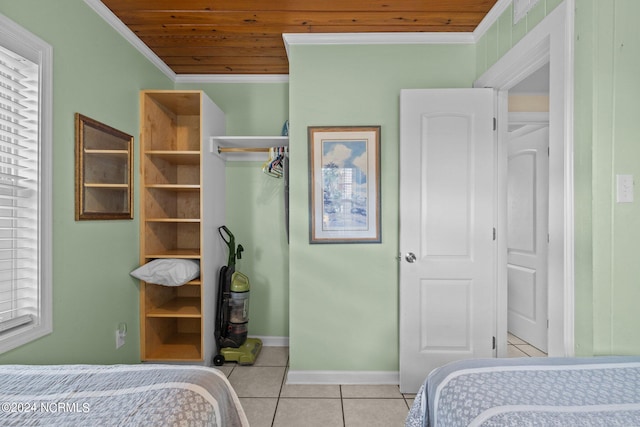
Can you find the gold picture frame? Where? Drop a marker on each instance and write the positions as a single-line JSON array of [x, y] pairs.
[[344, 182]]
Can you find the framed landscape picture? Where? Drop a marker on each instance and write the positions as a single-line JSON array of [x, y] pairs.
[[344, 175]]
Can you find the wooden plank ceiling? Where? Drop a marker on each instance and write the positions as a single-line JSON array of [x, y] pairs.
[[245, 36]]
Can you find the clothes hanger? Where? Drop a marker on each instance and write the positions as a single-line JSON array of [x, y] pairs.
[[273, 166]]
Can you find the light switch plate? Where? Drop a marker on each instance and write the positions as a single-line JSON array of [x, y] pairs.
[[624, 188]]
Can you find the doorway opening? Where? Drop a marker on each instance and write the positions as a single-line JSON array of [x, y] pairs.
[[528, 215], [550, 42]]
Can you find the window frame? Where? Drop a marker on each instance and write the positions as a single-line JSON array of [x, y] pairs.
[[21, 41]]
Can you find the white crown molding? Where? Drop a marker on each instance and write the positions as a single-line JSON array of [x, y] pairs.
[[232, 78], [375, 38], [490, 18], [399, 38], [105, 13]]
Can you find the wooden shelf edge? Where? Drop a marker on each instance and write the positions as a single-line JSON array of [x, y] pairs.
[[174, 187], [173, 152], [98, 151], [184, 347], [182, 220], [185, 359], [107, 186], [191, 158], [182, 307], [177, 253]]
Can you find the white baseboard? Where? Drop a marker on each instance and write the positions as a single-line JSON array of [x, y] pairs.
[[273, 341], [343, 377], [331, 377]]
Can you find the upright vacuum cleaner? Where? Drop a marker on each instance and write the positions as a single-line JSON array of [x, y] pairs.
[[232, 317]]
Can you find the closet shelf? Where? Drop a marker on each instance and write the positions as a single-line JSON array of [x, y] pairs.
[[188, 253], [176, 157], [175, 187], [179, 347], [245, 148], [107, 186], [101, 152], [178, 307], [196, 220]]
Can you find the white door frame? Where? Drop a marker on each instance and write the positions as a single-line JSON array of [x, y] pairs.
[[550, 41]]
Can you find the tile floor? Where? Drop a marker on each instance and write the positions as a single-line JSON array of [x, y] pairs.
[[519, 348], [269, 402]]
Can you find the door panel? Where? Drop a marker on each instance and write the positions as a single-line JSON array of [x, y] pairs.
[[446, 183], [445, 315], [527, 218], [447, 211]]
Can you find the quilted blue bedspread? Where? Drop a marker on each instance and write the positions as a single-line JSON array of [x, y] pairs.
[[599, 391], [117, 395]]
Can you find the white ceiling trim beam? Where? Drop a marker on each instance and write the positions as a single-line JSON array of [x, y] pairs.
[[375, 38]]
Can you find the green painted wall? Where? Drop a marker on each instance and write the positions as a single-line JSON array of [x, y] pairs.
[[338, 303], [608, 237], [344, 297], [250, 108], [99, 74], [256, 216], [255, 201], [607, 234], [615, 59], [585, 37]]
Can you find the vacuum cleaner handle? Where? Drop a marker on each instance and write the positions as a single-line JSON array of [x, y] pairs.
[[229, 239]]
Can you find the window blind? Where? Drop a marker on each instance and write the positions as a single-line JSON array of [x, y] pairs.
[[19, 193]]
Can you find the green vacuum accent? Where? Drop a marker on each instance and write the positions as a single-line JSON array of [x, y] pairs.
[[239, 282], [233, 311], [246, 354]]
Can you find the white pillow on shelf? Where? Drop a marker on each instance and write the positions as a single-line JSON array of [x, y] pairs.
[[168, 271]]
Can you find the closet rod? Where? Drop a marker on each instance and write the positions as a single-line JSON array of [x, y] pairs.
[[243, 149]]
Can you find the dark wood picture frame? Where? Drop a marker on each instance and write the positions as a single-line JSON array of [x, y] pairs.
[[104, 171]]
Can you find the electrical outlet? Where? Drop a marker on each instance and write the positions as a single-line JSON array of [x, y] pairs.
[[121, 333]]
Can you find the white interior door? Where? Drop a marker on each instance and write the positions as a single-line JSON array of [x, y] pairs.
[[447, 213], [528, 219]]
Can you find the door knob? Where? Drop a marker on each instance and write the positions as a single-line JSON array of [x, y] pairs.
[[410, 257]]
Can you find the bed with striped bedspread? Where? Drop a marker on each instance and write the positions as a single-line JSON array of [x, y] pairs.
[[117, 395], [598, 391]]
